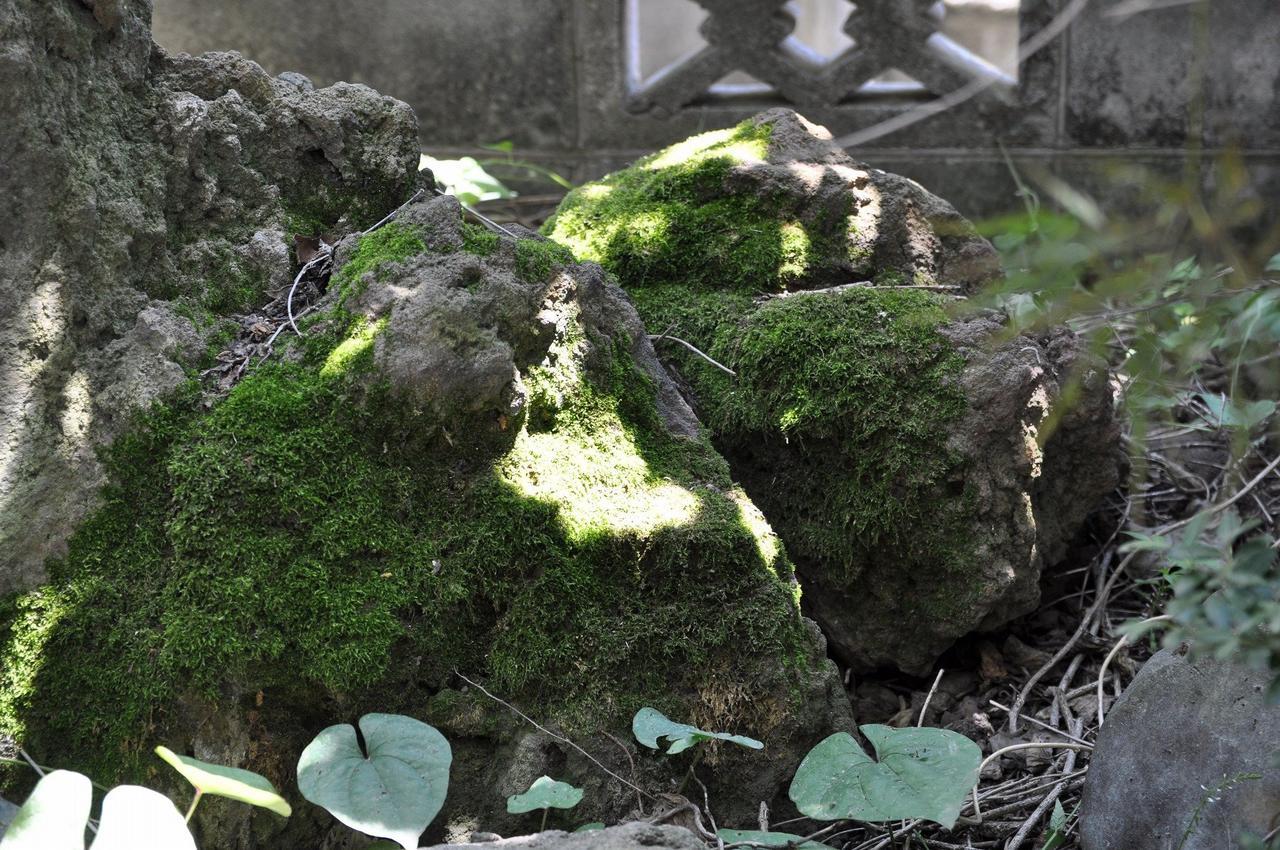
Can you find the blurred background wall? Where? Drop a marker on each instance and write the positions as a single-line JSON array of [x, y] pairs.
[[584, 86]]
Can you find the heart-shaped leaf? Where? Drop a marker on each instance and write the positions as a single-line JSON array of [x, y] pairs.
[[394, 791], [769, 839], [649, 725], [243, 785], [544, 793], [137, 818], [54, 816], [920, 773]]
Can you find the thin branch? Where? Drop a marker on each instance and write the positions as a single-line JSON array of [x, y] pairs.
[[929, 697], [1106, 662], [562, 739], [695, 350]]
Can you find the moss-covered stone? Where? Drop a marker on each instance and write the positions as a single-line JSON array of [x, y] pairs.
[[848, 420], [304, 542]]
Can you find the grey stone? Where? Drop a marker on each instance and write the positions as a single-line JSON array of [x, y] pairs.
[[144, 196], [8, 811], [1173, 756], [628, 836]]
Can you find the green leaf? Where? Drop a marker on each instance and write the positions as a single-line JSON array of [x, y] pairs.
[[54, 816], [137, 818], [649, 725], [232, 782], [1057, 828], [394, 791], [466, 179], [1273, 265], [594, 826], [920, 773], [770, 839], [544, 793]]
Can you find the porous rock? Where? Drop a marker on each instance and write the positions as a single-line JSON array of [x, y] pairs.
[[1189, 757], [471, 467], [920, 469], [145, 196]]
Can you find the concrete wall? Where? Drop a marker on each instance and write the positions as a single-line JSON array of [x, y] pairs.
[[552, 77]]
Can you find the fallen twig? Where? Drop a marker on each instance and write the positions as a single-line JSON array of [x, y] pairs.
[[695, 350]]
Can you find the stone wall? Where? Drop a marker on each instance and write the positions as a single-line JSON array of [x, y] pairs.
[[552, 76]]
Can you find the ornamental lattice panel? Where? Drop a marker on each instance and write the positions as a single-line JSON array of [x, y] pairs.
[[756, 37]]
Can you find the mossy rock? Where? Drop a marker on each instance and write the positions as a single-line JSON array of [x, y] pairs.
[[472, 464], [893, 446]]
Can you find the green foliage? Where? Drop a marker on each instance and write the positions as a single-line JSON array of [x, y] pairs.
[[126, 808], [231, 782], [466, 179], [56, 814], [769, 839], [1190, 320], [1057, 834], [917, 774], [649, 725], [392, 788], [545, 793], [1225, 579]]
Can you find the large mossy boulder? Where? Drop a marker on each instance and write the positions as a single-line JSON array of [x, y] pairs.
[[145, 197], [921, 470], [471, 464]]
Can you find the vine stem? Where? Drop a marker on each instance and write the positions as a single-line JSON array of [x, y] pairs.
[[195, 801]]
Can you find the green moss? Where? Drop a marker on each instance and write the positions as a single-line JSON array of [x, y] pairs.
[[537, 258], [478, 240], [669, 219], [291, 540], [391, 243], [862, 383], [840, 409]]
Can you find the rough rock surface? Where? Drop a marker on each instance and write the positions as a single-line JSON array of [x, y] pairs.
[[628, 836], [471, 465], [1190, 750], [895, 448], [143, 197]]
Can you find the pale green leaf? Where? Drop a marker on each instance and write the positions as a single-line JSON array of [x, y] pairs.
[[770, 839], [394, 791], [544, 793], [233, 782], [920, 773], [649, 725], [466, 179], [1273, 265], [137, 818], [54, 816]]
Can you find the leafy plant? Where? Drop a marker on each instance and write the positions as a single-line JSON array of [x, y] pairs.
[[56, 814], [466, 179], [231, 782], [392, 787], [1057, 835], [1188, 316], [649, 725], [917, 774], [545, 793]]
